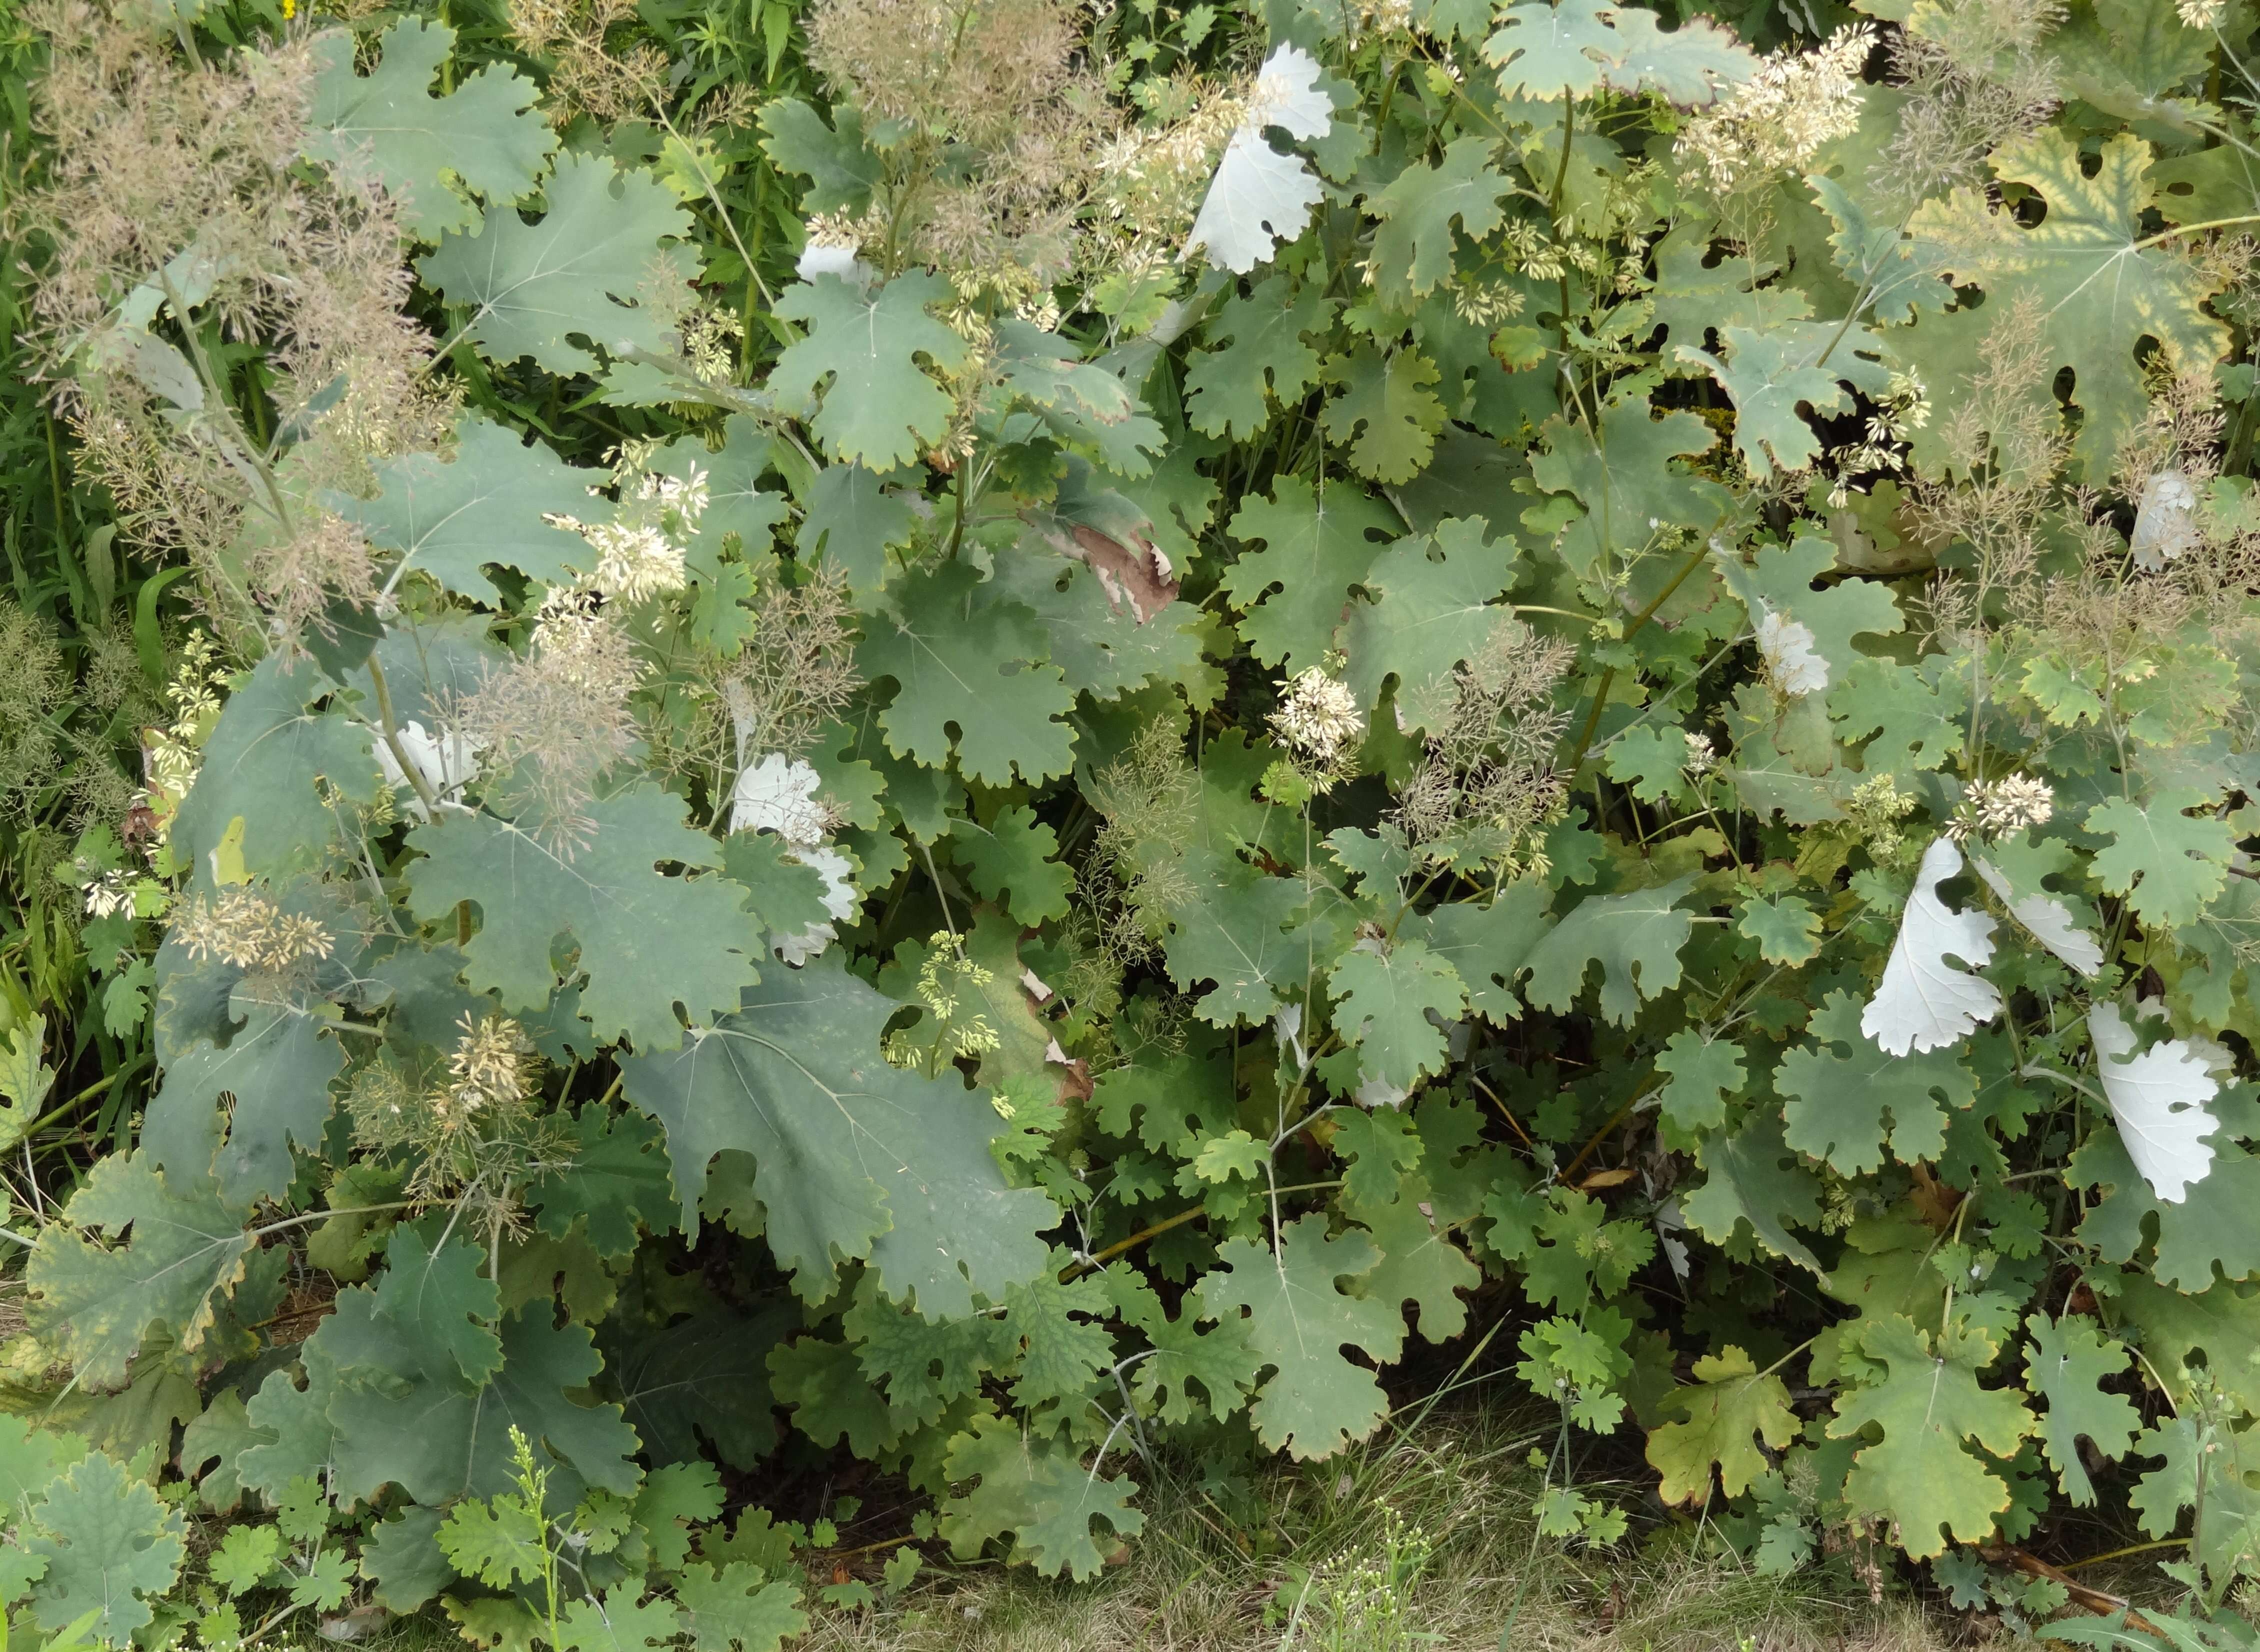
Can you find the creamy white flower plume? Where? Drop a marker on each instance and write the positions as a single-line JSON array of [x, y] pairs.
[[1259, 197], [1317, 715], [2159, 1099], [1926, 1001]]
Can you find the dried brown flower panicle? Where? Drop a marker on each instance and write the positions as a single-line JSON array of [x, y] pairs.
[[1000, 124], [175, 216], [1487, 782], [1975, 78], [551, 722]]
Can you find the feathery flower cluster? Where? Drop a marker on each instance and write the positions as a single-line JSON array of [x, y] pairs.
[[1993, 807], [1877, 811], [175, 185], [1156, 175], [491, 1069], [1702, 757], [172, 754], [1487, 782], [1005, 81], [245, 928], [559, 716], [1136, 877], [640, 552], [1316, 717], [957, 1034], [1881, 449], [108, 894], [1778, 120]]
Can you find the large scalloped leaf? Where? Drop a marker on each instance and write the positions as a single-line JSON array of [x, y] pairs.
[[385, 131], [862, 348], [184, 1250], [486, 504], [2098, 288], [853, 1160], [404, 1417], [264, 765], [973, 676], [532, 288], [648, 941], [1298, 1320], [274, 1075], [108, 1542], [1926, 1404], [1036, 1491]]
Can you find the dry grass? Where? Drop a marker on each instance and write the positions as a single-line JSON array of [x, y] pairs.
[[1299, 1561]]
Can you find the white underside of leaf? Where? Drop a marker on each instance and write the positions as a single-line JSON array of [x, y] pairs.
[[838, 899], [817, 260], [2047, 920], [1287, 1033], [778, 794], [1926, 1001], [1373, 1092], [444, 762], [2159, 1099], [2165, 519], [1792, 658], [1260, 197]]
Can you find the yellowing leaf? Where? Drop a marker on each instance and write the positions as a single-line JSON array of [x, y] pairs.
[[1728, 1409], [2098, 289], [1926, 1407]]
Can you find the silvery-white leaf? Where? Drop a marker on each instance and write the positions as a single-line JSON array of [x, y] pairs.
[[817, 260], [2165, 519], [1792, 658], [1260, 197], [2047, 920], [778, 794], [839, 900], [445, 762], [1287, 1031], [2159, 1099], [1926, 1001]]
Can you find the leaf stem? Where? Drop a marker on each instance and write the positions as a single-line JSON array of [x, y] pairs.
[[1100, 1259], [2163, 236], [1608, 678], [430, 798]]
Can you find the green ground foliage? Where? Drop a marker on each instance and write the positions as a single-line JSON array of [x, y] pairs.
[[966, 749]]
